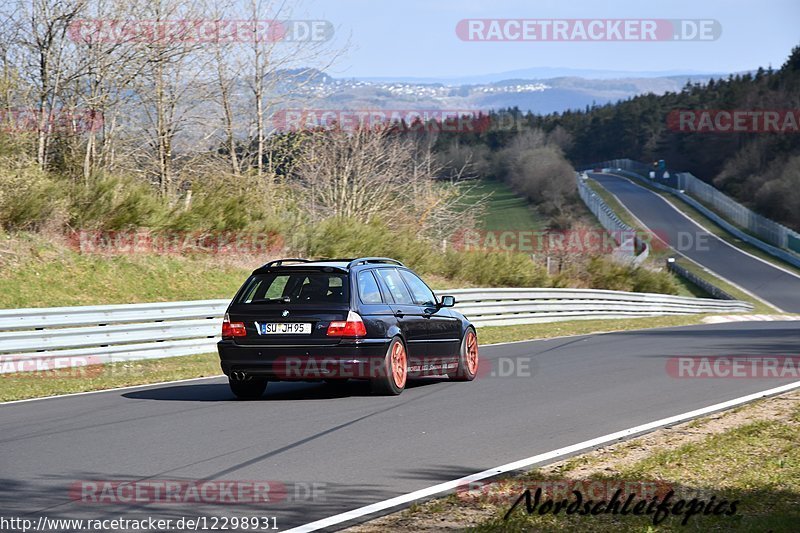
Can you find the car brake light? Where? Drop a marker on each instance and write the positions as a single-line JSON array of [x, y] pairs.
[[353, 327], [232, 329]]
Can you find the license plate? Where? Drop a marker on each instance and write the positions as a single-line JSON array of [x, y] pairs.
[[284, 328]]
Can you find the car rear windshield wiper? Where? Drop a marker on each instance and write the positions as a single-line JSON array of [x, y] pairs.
[[283, 299]]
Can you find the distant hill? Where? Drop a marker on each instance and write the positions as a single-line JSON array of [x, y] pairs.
[[538, 95], [538, 73]]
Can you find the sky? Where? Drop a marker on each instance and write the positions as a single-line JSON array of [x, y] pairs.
[[417, 38]]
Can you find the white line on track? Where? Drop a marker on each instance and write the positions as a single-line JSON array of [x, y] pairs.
[[404, 499]]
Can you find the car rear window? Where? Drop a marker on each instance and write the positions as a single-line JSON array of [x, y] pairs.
[[296, 288]]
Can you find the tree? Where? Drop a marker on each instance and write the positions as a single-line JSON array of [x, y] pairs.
[[43, 58]]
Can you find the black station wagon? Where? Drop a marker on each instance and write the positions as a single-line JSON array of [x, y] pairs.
[[338, 319]]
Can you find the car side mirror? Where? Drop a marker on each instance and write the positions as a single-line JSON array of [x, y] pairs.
[[447, 301]]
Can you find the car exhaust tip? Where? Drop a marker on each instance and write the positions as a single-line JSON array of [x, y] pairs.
[[238, 376]]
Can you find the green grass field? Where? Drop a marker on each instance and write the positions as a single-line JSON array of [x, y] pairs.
[[504, 209], [42, 273]]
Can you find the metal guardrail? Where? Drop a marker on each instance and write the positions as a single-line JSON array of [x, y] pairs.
[[625, 236], [707, 286], [767, 230], [48, 338], [499, 307]]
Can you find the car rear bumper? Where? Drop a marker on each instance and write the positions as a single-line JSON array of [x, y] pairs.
[[359, 360]]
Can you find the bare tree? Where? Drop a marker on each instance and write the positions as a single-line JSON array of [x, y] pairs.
[[139, 65], [372, 174], [110, 66], [226, 81], [229, 68], [41, 36], [173, 83], [277, 63], [9, 28]]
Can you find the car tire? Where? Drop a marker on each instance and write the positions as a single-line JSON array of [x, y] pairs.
[[467, 357], [394, 371], [250, 389]]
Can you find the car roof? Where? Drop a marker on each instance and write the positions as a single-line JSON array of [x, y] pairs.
[[336, 264], [344, 265]]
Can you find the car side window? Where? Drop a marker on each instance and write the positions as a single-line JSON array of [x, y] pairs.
[[421, 293], [395, 285], [368, 288]]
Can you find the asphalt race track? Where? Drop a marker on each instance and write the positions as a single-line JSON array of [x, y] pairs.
[[358, 448], [765, 281]]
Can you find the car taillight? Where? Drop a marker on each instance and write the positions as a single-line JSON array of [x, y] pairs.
[[353, 327], [232, 329]]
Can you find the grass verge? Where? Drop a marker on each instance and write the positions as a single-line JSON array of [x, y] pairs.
[[748, 455], [47, 273], [495, 334], [504, 210], [24, 385]]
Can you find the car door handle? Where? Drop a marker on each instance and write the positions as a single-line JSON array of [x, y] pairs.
[[399, 314]]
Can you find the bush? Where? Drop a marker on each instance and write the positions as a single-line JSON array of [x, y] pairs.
[[113, 203], [225, 203], [495, 269], [603, 273], [29, 198], [342, 237], [350, 238]]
